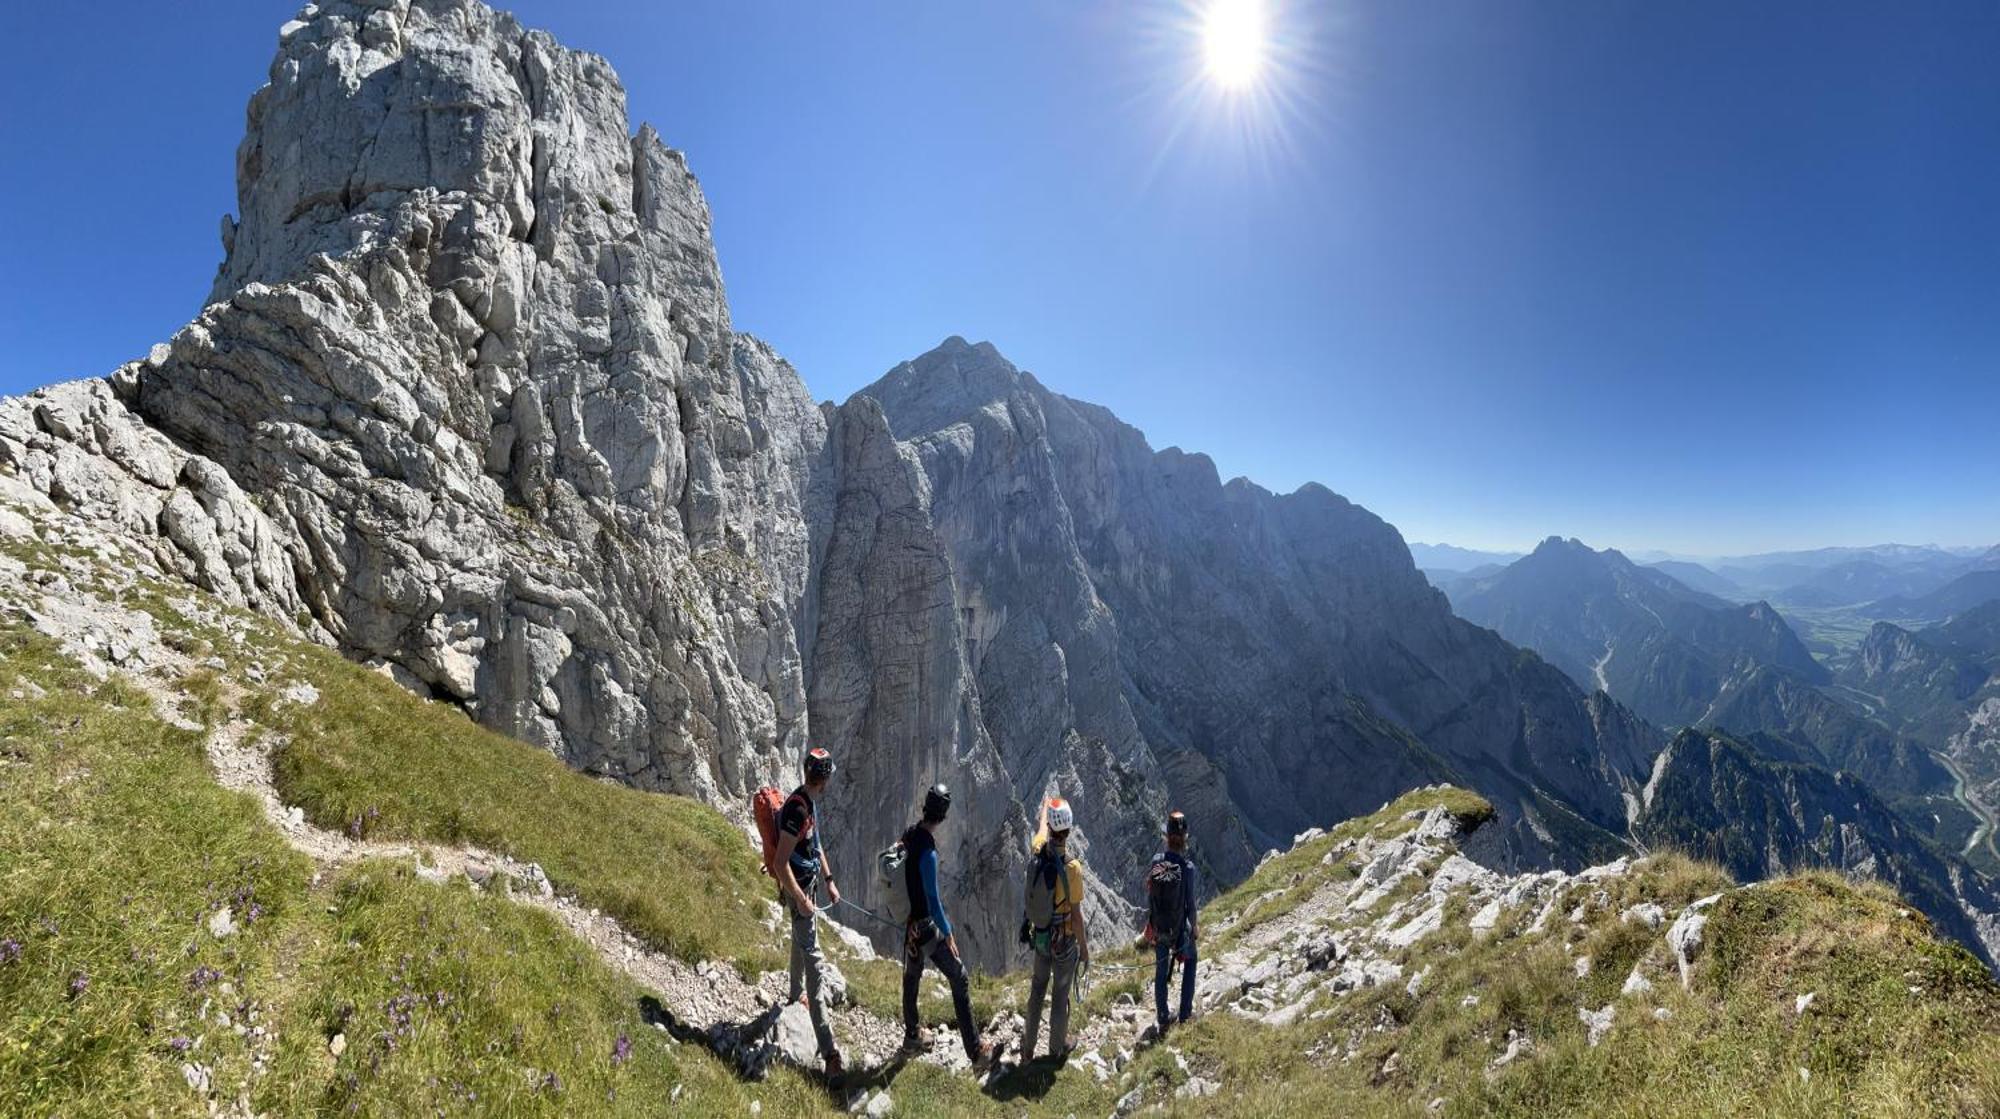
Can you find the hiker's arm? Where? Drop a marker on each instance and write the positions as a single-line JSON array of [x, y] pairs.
[[826, 872], [927, 870], [1081, 931], [788, 881]]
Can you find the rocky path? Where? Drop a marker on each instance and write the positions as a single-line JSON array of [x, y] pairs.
[[79, 594], [80, 604], [744, 1022]]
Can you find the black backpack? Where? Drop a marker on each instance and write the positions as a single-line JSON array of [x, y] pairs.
[[1166, 896]]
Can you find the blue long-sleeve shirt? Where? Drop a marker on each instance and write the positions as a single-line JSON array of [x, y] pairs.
[[924, 897], [927, 870]]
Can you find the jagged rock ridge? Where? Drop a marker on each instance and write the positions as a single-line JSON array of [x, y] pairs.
[[1135, 626]]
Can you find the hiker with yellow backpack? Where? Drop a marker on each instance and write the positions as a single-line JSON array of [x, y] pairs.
[[1053, 927]]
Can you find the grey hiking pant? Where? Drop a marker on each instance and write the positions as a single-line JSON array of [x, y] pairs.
[[1062, 965], [806, 961]]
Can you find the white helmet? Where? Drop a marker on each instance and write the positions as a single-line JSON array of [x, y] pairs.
[[1060, 816]]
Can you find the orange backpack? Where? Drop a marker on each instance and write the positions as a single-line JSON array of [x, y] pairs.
[[767, 804]]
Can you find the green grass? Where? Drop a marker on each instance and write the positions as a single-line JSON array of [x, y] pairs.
[[119, 848], [373, 759]]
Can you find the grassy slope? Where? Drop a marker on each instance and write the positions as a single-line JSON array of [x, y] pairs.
[[1901, 1023], [118, 846], [374, 759]]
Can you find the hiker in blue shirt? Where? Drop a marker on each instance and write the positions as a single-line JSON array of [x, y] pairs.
[[1170, 927], [928, 937]]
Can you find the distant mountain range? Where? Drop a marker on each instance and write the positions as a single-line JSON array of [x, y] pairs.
[[1680, 657], [1700, 578], [1959, 595], [1449, 557], [1657, 645], [1898, 577]]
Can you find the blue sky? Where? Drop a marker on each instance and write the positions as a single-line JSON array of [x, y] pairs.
[[1710, 277]]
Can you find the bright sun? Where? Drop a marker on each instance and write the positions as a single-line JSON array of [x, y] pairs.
[[1233, 41]]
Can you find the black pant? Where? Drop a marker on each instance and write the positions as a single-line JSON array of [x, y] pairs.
[[938, 951]]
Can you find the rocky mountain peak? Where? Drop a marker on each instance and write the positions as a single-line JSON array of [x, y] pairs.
[[468, 370]]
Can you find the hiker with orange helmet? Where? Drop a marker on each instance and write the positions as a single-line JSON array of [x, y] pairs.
[[1053, 927], [798, 862]]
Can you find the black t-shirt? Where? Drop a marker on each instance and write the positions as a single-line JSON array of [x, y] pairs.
[[917, 842], [799, 819]]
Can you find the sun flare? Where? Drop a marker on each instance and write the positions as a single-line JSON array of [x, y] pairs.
[[1234, 41]]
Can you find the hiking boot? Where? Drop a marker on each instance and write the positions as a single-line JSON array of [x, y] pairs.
[[987, 1055], [835, 1069], [917, 1042]]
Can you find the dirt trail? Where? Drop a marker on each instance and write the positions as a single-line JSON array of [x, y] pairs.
[[708, 1002]]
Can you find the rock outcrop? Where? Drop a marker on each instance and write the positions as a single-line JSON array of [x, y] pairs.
[[465, 401], [1762, 812]]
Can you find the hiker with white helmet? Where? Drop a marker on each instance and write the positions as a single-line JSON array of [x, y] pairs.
[[928, 937], [1053, 927], [797, 861], [1170, 921]]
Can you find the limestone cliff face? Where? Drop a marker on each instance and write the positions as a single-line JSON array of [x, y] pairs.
[[466, 402], [1140, 633], [469, 348]]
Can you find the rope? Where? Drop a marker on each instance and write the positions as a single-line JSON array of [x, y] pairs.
[[871, 915]]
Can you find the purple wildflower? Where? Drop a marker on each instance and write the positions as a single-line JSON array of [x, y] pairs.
[[180, 1044], [79, 983], [10, 950], [622, 1051], [202, 977]]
